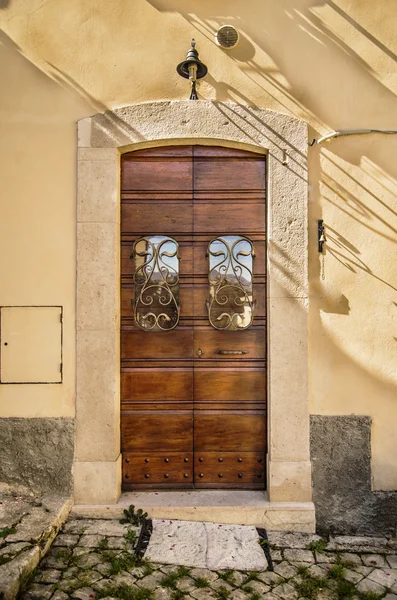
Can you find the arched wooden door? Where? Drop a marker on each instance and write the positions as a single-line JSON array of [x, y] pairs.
[[193, 330]]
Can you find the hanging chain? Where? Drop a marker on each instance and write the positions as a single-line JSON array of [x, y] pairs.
[[323, 266]]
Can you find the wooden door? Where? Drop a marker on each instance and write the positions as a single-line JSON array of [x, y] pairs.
[[193, 398]]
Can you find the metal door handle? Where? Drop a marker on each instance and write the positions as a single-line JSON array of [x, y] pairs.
[[199, 353], [231, 352]]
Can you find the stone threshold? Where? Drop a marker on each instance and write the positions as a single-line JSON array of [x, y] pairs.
[[213, 506]]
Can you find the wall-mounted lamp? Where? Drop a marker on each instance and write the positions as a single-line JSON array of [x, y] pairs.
[[321, 235], [192, 68]]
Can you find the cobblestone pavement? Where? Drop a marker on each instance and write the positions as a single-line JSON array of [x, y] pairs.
[[93, 559]]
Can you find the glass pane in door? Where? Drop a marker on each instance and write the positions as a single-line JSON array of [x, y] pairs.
[[230, 304]]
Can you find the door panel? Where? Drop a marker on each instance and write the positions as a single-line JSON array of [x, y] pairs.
[[153, 217], [229, 469], [157, 384], [158, 469], [136, 344], [229, 431], [229, 216], [225, 383], [182, 401], [157, 169], [250, 341], [236, 174], [155, 431]]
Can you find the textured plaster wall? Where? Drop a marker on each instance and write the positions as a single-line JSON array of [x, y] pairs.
[[341, 464], [37, 454], [329, 62]]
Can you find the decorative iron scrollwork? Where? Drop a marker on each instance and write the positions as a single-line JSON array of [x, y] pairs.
[[230, 305], [156, 283]]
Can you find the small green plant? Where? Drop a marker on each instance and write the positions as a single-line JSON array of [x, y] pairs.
[[132, 517], [251, 576], [309, 586], [130, 536], [125, 592], [337, 571], [54, 587], [222, 593], [123, 562], [147, 566], [227, 575], [201, 582], [103, 544], [317, 546], [170, 580], [255, 596], [302, 570], [78, 584], [74, 561], [183, 571], [345, 590], [7, 531], [263, 542], [348, 564], [63, 553], [370, 596]]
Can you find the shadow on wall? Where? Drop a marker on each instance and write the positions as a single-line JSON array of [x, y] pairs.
[[59, 100], [367, 199], [22, 94], [312, 63], [316, 76]]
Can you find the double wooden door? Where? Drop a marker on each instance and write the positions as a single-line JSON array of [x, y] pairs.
[[193, 380]]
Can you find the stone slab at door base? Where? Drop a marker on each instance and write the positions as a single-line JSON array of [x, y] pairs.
[[205, 545], [231, 507]]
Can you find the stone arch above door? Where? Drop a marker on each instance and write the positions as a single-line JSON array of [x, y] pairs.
[[101, 141]]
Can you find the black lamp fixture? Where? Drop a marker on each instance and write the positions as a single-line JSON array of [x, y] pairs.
[[192, 68]]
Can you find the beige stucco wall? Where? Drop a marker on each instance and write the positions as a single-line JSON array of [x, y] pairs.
[[330, 63]]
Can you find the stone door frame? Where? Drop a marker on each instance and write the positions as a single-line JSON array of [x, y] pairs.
[[101, 140]]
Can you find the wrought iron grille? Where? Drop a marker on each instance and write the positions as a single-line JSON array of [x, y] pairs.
[[230, 304], [156, 283]]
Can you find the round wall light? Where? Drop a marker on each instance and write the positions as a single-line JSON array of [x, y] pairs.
[[227, 37]]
